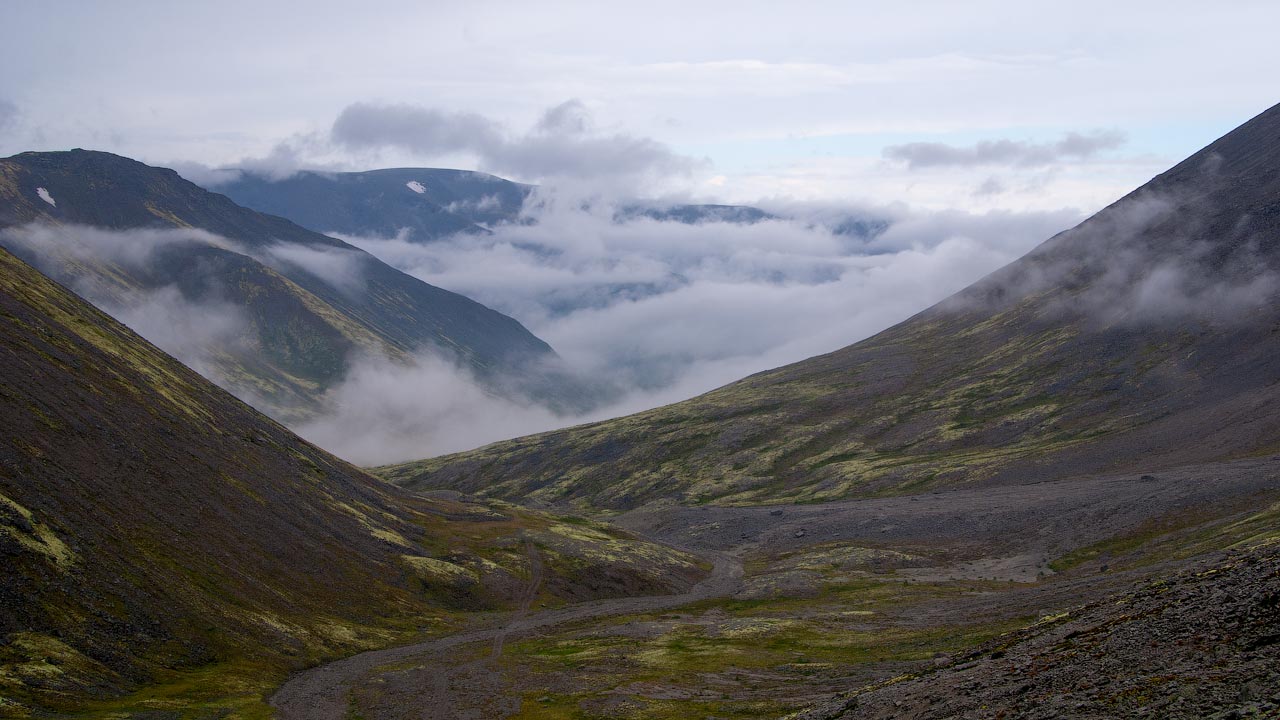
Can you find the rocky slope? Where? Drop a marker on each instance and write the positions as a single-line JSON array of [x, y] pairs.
[[1143, 338], [119, 231], [1200, 644], [155, 530]]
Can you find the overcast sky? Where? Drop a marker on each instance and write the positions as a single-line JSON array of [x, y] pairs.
[[976, 105]]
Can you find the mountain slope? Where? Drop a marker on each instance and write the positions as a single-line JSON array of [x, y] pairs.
[[312, 304], [427, 202], [695, 214], [1148, 653], [1144, 337], [152, 525]]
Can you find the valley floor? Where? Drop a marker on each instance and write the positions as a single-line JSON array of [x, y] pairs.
[[809, 602], [322, 692]]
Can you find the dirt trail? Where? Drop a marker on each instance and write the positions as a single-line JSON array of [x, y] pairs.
[[321, 692], [526, 599]]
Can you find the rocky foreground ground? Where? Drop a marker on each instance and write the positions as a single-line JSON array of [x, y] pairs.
[[1204, 643]]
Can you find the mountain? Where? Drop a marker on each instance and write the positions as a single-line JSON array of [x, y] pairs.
[[695, 214], [1145, 337], [856, 226], [310, 305], [158, 533], [429, 203]]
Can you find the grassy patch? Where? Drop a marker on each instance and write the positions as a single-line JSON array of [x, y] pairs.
[[731, 658], [236, 691], [1181, 535]]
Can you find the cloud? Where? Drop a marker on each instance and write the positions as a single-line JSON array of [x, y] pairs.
[[8, 114], [194, 331], [1159, 260], [485, 203], [50, 244], [415, 128], [1172, 291], [563, 145], [190, 318], [386, 412], [665, 310], [204, 175], [1010, 153], [342, 268], [135, 250], [301, 151], [1192, 272], [990, 186], [563, 148], [658, 311]]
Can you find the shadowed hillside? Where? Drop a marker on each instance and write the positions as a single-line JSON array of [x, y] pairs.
[[152, 526], [1144, 337], [429, 203]]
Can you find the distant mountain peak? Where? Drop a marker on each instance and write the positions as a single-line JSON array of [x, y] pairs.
[[425, 203]]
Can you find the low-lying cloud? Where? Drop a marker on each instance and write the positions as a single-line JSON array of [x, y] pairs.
[[387, 411], [189, 317], [1159, 260], [8, 114], [195, 331], [303, 151], [666, 310], [657, 311], [130, 248], [1010, 153], [135, 250], [341, 267]]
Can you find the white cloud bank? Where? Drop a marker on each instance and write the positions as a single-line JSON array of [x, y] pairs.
[[1073, 146], [661, 311]]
